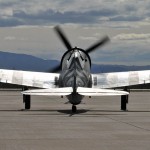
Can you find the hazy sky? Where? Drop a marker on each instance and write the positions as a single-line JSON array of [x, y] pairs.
[[26, 26]]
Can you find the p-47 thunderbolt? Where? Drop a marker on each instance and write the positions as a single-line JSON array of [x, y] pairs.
[[75, 79]]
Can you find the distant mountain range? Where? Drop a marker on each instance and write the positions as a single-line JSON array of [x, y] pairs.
[[31, 63], [25, 62]]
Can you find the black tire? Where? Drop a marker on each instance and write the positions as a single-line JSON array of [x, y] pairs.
[[74, 109], [27, 101], [124, 102]]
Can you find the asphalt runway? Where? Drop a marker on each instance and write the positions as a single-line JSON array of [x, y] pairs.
[[99, 123]]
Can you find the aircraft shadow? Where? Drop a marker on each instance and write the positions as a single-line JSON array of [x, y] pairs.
[[85, 112], [69, 112]]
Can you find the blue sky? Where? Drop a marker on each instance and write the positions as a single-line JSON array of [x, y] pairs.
[[27, 27]]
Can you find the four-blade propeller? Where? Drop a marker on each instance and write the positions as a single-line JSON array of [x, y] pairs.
[[67, 44], [63, 37]]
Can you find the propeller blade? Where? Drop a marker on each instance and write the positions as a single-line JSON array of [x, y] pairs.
[[98, 44], [56, 69], [63, 37]]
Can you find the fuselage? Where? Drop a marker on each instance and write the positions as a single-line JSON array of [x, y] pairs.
[[76, 66]]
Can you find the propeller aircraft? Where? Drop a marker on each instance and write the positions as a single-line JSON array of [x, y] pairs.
[[75, 79]]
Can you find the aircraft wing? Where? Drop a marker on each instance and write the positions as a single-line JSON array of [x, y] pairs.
[[120, 79], [99, 92], [29, 78], [50, 92]]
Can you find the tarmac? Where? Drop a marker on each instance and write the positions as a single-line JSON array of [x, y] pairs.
[[99, 124]]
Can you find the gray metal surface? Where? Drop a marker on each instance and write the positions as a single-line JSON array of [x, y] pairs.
[[99, 123], [28, 78], [119, 79]]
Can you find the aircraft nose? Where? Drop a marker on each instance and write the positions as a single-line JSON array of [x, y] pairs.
[[76, 54]]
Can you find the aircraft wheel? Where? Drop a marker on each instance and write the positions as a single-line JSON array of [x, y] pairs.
[[124, 101], [27, 101], [74, 108]]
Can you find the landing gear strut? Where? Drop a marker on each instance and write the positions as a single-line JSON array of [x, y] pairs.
[[74, 109]]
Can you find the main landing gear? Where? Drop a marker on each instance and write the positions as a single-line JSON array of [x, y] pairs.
[[26, 99], [124, 100], [74, 109]]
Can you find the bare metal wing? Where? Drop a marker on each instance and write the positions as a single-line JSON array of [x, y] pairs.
[[120, 79], [50, 92], [28, 78], [99, 92]]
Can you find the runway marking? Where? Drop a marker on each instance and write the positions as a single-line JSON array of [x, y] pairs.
[[138, 127]]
